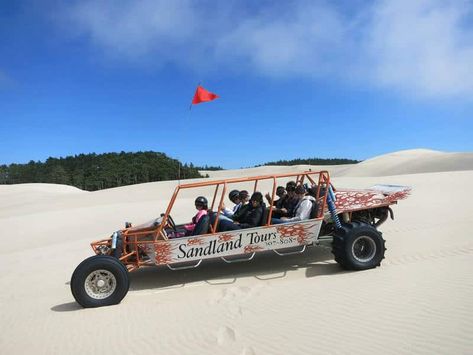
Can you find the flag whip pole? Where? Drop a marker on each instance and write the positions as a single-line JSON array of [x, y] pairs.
[[190, 107], [188, 116]]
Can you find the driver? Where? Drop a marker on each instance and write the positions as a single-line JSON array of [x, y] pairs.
[[201, 204]]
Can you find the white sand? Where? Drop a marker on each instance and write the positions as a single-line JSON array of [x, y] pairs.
[[419, 301]]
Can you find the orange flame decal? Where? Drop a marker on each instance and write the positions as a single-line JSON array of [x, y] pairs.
[[225, 237], [195, 241], [252, 248]]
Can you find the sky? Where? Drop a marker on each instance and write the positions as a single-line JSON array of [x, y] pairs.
[[347, 79]]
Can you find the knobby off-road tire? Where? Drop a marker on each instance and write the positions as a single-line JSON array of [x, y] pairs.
[[358, 246], [100, 280]]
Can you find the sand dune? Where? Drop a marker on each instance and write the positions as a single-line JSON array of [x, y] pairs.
[[264, 170], [418, 301], [414, 161]]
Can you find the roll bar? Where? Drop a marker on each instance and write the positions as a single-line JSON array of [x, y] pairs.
[[323, 180]]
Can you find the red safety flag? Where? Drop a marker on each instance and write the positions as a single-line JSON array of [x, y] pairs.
[[202, 95]]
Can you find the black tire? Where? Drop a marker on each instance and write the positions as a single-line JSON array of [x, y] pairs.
[[358, 246], [100, 280]]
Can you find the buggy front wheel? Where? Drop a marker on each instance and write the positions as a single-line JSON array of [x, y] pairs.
[[100, 280]]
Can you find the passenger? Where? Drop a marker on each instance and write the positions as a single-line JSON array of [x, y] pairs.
[[250, 219], [302, 210], [281, 193], [278, 205], [312, 191], [291, 183], [244, 196], [201, 204], [289, 203], [228, 213], [243, 210]]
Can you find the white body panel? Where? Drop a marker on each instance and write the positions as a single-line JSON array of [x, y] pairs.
[[243, 241]]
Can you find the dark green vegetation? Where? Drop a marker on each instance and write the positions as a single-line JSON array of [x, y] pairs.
[[102, 171], [209, 168], [99, 171], [313, 161]]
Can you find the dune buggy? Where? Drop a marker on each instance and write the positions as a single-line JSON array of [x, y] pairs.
[[349, 217]]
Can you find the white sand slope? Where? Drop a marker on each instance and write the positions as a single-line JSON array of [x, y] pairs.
[[335, 170], [412, 162], [418, 301]]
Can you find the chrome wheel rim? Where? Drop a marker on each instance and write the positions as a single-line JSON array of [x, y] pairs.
[[363, 249], [100, 284]]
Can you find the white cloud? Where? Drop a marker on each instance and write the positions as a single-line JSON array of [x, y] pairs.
[[308, 40], [418, 47], [137, 28], [422, 47]]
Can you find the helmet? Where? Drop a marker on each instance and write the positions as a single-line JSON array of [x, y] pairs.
[[290, 185], [300, 189], [233, 194], [201, 200], [280, 190], [243, 194], [257, 197]]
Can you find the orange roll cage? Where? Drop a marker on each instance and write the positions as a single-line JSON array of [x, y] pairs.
[[324, 179]]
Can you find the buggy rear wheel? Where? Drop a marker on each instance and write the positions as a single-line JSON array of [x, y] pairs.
[[100, 280], [358, 246]]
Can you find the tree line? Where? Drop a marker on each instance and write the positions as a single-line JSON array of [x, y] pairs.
[[313, 161], [102, 171], [99, 171], [209, 167]]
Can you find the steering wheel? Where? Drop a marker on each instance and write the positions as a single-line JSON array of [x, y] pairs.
[[171, 223]]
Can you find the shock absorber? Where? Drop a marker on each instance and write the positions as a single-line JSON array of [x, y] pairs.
[[331, 207], [117, 244]]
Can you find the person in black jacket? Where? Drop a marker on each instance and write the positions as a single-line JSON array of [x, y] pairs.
[[251, 219], [281, 193], [288, 203], [239, 215]]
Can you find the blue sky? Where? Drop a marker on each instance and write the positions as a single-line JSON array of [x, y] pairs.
[[349, 79]]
